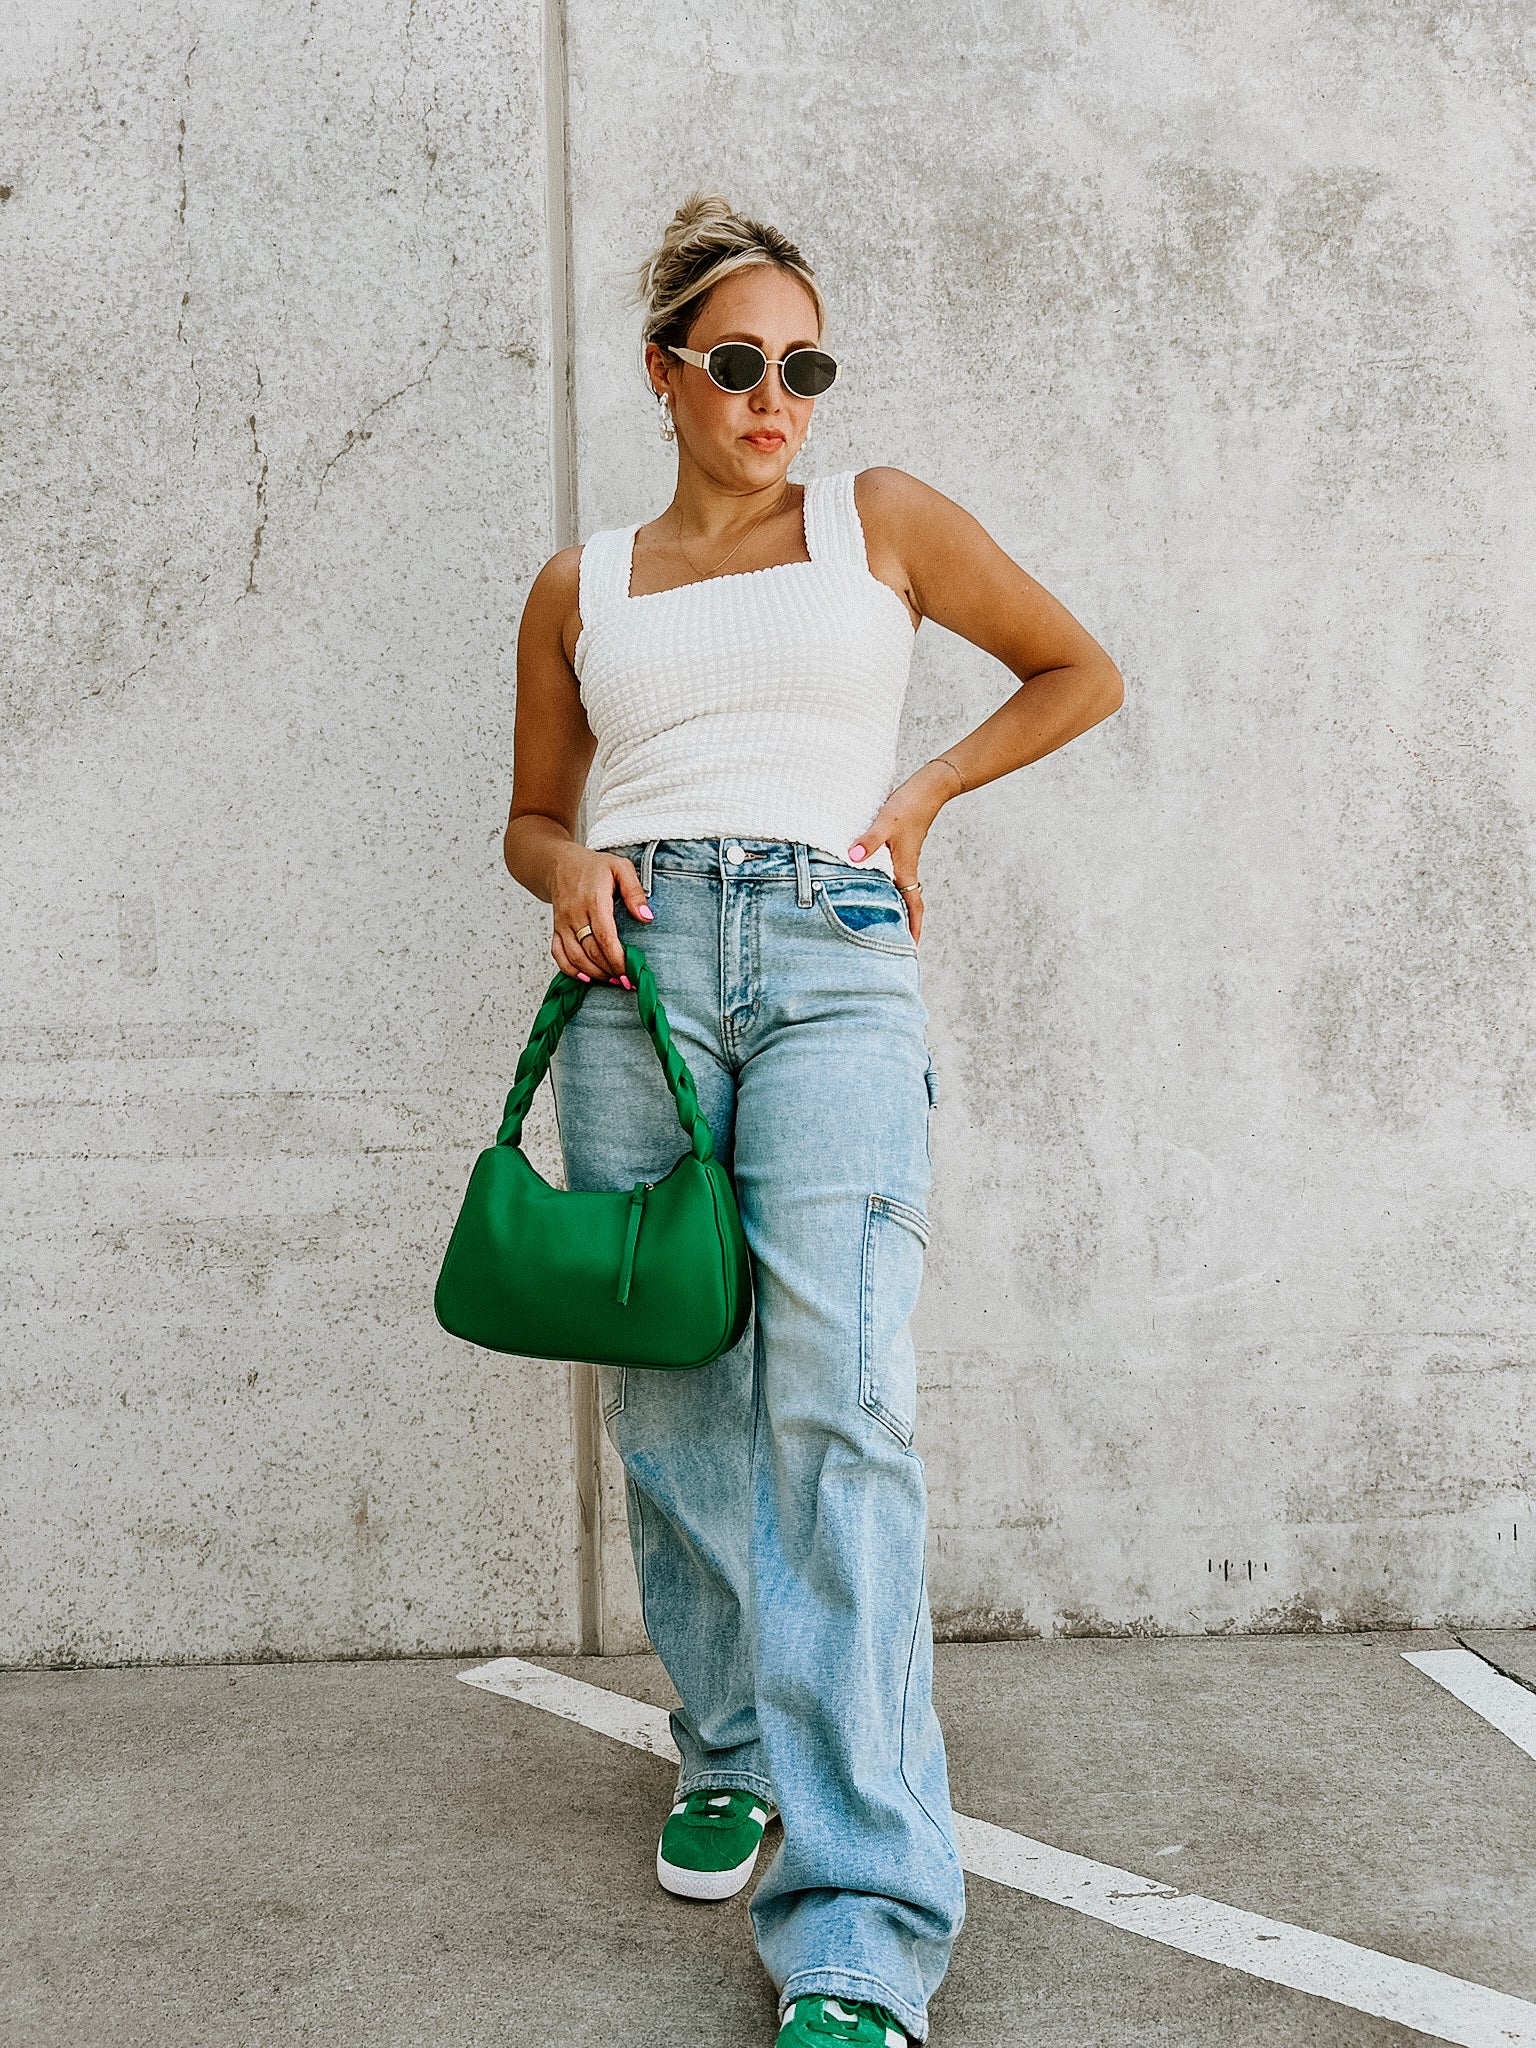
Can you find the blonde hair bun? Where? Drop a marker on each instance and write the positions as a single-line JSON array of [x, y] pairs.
[[703, 243], [697, 208]]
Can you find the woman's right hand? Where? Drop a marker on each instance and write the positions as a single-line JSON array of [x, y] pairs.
[[583, 885]]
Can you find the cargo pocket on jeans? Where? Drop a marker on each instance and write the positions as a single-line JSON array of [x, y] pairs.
[[895, 1237]]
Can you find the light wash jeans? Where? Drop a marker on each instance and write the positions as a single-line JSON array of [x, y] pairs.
[[776, 1506]]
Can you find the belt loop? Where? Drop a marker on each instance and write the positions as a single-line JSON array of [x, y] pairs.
[[802, 873], [648, 864]]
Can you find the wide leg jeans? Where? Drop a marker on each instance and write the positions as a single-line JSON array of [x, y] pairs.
[[776, 1504]]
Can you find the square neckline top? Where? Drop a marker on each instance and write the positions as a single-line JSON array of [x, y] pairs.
[[625, 576], [632, 534]]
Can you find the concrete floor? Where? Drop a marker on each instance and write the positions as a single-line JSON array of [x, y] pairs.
[[374, 1854]]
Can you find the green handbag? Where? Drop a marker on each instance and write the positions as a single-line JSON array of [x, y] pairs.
[[654, 1275]]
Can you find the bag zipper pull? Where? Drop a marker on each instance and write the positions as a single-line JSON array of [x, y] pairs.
[[631, 1236]]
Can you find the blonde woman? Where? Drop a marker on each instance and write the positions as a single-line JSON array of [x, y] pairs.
[[737, 666]]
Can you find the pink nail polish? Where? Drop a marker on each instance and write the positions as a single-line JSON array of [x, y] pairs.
[[855, 853], [624, 981], [583, 977], [645, 911]]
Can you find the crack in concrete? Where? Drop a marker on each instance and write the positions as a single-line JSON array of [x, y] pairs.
[[156, 582], [250, 589], [117, 689], [407, 36], [181, 134], [410, 47], [1483, 1658], [355, 436], [186, 247]]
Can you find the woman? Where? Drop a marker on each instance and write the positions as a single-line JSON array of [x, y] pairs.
[[738, 666]]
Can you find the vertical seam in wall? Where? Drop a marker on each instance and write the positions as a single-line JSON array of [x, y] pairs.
[[585, 1418], [562, 320], [586, 1459]]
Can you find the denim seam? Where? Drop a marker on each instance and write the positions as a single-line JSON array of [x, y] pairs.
[[640, 1560], [752, 1587], [803, 893], [728, 1040], [762, 881], [832, 1982], [741, 872], [946, 1835], [754, 949], [729, 1781], [906, 1212]]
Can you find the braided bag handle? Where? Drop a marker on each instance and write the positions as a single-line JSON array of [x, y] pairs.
[[562, 999]]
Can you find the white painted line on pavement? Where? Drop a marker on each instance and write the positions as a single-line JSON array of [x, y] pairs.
[[593, 1706], [1448, 2008], [1502, 1704]]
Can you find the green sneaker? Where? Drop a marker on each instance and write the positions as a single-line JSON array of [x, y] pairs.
[[710, 1842], [817, 2021]]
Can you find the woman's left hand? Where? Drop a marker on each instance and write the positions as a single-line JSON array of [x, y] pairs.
[[902, 823]]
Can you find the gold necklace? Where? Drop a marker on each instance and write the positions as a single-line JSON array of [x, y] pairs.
[[705, 574]]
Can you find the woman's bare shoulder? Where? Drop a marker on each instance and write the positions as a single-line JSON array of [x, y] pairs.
[[895, 510], [895, 501], [560, 576], [552, 610]]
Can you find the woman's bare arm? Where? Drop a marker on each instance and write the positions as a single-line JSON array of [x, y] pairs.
[[955, 573], [552, 749], [947, 567]]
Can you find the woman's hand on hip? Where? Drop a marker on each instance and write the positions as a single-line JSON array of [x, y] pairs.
[[584, 880], [902, 823]]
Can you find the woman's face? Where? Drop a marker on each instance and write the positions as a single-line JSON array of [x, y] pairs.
[[743, 440]]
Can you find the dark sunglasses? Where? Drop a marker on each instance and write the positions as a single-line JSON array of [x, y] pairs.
[[741, 366]]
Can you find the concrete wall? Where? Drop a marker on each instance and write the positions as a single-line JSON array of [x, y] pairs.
[[1225, 324]]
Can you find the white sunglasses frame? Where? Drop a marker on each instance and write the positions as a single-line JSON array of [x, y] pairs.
[[693, 355]]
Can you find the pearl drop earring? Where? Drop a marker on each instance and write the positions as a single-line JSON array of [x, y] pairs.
[[668, 430]]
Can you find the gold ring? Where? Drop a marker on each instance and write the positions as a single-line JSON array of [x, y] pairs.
[[904, 888], [585, 932]]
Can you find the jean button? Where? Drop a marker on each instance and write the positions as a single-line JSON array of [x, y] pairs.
[[735, 855]]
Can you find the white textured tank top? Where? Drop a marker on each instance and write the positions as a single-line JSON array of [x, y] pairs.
[[764, 703]]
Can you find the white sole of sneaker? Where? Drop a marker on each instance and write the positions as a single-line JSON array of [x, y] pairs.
[[703, 1884]]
